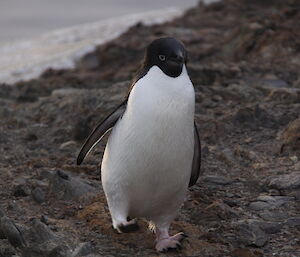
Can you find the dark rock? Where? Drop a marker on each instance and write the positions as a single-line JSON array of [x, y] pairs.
[[275, 200], [89, 61], [238, 92], [231, 203], [227, 156], [43, 242], [43, 250], [268, 227], [260, 206], [95, 255], [4, 112], [294, 221], [267, 85], [38, 183], [65, 187], [45, 219], [254, 116], [14, 206], [275, 83], [46, 174], [21, 190], [83, 249], [273, 215], [11, 231], [6, 91], [244, 115], [243, 154], [64, 93], [270, 202], [273, 192], [1, 213], [286, 181], [6, 249], [217, 180], [296, 194], [38, 195], [81, 129], [204, 75], [251, 235], [69, 145], [204, 151], [26, 98], [271, 227], [31, 137], [264, 117], [40, 241], [60, 251], [2, 235], [39, 232], [62, 174]]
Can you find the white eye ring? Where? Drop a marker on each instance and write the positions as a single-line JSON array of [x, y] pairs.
[[162, 57]]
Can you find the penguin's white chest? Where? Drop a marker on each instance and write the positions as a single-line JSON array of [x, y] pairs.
[[149, 154]]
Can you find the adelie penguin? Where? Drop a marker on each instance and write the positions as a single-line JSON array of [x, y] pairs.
[[153, 152]]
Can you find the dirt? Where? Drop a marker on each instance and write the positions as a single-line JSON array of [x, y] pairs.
[[244, 60]]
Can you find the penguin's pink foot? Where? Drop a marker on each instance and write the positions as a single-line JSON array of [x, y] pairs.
[[165, 242], [128, 226]]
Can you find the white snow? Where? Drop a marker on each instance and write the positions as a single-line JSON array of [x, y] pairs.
[[23, 60], [27, 59]]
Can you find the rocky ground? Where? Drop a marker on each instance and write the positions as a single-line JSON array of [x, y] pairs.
[[244, 60]]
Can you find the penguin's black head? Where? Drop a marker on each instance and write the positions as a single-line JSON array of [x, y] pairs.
[[168, 54]]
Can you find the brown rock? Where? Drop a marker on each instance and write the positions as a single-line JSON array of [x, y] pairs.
[[286, 181], [221, 210], [285, 95], [290, 138], [244, 252]]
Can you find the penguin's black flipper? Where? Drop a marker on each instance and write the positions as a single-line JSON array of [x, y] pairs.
[[196, 159], [100, 131]]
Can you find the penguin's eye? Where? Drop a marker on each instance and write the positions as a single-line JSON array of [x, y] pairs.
[[162, 57]]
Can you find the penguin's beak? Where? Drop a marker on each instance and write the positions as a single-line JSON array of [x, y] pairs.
[[178, 58]]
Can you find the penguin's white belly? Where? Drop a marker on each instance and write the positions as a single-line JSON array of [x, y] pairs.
[[148, 158]]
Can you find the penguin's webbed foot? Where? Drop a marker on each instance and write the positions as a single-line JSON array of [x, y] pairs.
[[128, 226], [171, 242]]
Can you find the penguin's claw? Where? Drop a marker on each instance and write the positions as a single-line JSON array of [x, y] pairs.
[[167, 244], [172, 242], [129, 226], [179, 236]]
